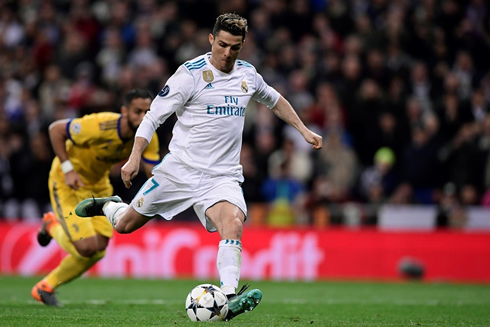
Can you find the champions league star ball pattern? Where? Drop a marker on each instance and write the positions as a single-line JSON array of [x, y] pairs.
[[206, 302]]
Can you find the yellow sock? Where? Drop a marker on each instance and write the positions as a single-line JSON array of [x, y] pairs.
[[71, 267]]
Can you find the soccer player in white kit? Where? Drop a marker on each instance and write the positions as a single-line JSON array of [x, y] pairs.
[[209, 94]]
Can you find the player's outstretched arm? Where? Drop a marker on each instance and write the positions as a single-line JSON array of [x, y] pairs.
[[58, 137], [132, 166], [285, 111]]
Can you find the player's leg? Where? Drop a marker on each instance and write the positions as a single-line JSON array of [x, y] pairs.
[[72, 266], [222, 208], [83, 253], [228, 220], [123, 218], [225, 211]]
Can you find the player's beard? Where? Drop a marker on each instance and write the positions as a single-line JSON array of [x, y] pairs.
[[132, 126]]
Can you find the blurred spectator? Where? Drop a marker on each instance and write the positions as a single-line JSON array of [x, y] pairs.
[[378, 182], [376, 68], [351, 81], [300, 166], [72, 52], [119, 18], [85, 96], [463, 70], [421, 86], [403, 195], [479, 107], [144, 53], [35, 121], [397, 61], [253, 176], [463, 161], [285, 197], [337, 167], [262, 30], [451, 212], [469, 195], [187, 48], [363, 117], [85, 23], [299, 95], [53, 91], [420, 164], [11, 30], [35, 184], [110, 58]]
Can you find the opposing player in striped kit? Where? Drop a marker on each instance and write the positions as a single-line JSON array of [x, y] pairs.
[[209, 95]]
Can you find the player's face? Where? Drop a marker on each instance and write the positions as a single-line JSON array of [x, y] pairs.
[[135, 112], [225, 48]]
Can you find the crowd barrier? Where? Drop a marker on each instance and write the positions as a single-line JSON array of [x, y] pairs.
[[423, 217], [168, 250]]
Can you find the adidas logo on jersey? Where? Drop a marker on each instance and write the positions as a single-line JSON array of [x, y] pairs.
[[209, 86]]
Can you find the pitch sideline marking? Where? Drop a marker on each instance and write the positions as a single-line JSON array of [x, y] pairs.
[[284, 301]]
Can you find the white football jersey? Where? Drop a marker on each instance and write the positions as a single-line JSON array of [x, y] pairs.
[[210, 107]]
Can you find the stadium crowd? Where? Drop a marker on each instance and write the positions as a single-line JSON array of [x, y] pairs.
[[398, 89]]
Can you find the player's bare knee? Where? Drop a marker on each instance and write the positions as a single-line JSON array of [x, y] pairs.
[[90, 246], [120, 228], [86, 250]]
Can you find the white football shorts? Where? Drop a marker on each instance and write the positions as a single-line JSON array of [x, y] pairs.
[[175, 187]]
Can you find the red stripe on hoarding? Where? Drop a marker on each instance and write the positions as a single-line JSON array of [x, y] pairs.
[[168, 250]]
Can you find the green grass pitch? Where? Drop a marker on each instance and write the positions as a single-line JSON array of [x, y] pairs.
[[134, 302]]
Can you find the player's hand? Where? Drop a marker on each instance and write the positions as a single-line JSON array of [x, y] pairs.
[[129, 171], [314, 139], [73, 180]]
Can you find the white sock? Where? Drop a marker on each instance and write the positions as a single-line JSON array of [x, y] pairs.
[[229, 262], [114, 211]]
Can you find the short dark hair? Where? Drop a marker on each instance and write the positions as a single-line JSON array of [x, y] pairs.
[[231, 23], [136, 94]]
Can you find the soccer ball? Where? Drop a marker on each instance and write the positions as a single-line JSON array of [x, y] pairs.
[[206, 302]]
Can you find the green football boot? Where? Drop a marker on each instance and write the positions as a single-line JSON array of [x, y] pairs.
[[93, 207], [243, 301]]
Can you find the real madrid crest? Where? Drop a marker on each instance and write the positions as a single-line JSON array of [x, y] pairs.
[[139, 203], [244, 87], [207, 76]]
